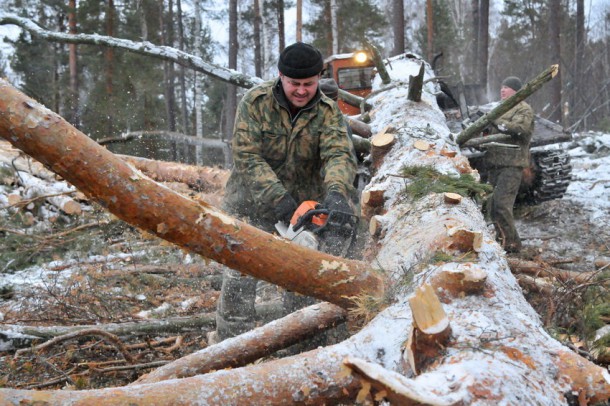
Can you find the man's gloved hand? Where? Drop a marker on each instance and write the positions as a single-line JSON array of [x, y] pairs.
[[335, 201], [285, 208]]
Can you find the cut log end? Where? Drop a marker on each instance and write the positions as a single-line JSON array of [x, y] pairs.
[[373, 198], [381, 144], [467, 279], [431, 329], [375, 226], [452, 198], [464, 240], [421, 145]]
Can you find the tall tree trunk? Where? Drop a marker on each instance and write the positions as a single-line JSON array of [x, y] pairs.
[[578, 76], [74, 99], [140, 5], [483, 50], [258, 61], [280, 25], [398, 26], [328, 19], [299, 34], [182, 73], [334, 27], [166, 23], [474, 45], [198, 84], [57, 50], [109, 62], [555, 10], [231, 104], [430, 25]]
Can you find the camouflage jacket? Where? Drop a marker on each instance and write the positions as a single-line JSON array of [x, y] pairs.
[[307, 155], [518, 122]]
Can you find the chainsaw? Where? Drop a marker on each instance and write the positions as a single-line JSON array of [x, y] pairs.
[[318, 228]]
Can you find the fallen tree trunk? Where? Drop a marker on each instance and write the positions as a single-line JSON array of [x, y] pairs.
[[203, 178], [239, 351], [16, 336], [198, 227], [544, 270], [497, 351]]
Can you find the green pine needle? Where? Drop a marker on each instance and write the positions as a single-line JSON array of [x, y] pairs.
[[426, 180]]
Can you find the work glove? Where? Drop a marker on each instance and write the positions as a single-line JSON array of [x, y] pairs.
[[285, 209], [335, 201]]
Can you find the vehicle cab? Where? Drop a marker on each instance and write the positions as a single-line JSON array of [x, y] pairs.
[[353, 73]]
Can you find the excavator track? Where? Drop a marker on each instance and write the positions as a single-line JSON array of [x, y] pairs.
[[553, 172]]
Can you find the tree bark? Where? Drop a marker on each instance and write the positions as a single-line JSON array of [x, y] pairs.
[[483, 48], [416, 84], [281, 32], [202, 178], [398, 26], [381, 70], [258, 46], [167, 38], [299, 32], [334, 29], [182, 73], [109, 60], [73, 65], [429, 29], [555, 11], [231, 101]]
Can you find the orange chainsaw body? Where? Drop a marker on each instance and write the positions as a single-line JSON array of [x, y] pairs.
[[318, 220]]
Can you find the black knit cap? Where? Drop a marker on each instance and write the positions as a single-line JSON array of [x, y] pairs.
[[513, 82], [300, 60]]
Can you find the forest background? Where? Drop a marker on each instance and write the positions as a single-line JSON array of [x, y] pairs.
[[105, 91]]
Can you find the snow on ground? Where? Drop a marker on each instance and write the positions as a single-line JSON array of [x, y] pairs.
[[590, 184], [577, 227]]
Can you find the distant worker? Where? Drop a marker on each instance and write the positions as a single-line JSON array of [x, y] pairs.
[[290, 144], [506, 161]]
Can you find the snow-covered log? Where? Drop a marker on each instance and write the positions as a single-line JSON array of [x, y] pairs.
[[18, 161], [55, 193], [496, 351], [18, 336]]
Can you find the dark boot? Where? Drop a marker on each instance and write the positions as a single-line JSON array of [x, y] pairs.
[[235, 313]]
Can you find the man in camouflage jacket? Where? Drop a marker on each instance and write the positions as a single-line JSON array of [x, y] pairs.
[[506, 162], [290, 144]]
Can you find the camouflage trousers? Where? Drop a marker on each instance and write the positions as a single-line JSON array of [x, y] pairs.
[[235, 311], [506, 181]]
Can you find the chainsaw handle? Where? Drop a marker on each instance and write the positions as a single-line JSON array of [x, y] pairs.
[[306, 218]]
